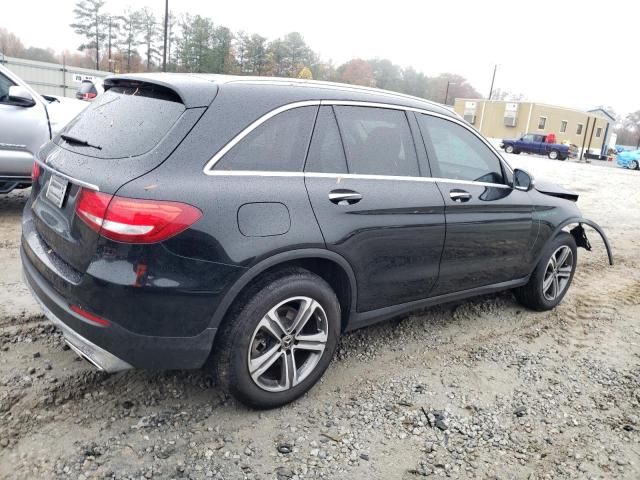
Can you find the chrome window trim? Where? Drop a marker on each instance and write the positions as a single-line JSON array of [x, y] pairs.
[[208, 168], [69, 178], [247, 130], [355, 176]]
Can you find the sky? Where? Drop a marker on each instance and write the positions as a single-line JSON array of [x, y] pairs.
[[577, 54]]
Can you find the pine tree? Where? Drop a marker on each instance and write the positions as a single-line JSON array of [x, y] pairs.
[[131, 23], [90, 23], [150, 34]]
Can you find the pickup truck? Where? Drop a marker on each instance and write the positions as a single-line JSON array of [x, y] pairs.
[[27, 121], [536, 143]]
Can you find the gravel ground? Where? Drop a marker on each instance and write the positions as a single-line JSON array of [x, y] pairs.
[[478, 389]]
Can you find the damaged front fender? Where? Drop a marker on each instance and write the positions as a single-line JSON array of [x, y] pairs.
[[581, 237]]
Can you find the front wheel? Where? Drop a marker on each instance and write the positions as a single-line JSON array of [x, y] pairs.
[[553, 275], [633, 165], [278, 340], [508, 149], [553, 154]]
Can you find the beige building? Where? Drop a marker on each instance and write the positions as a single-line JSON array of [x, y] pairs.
[[501, 119]]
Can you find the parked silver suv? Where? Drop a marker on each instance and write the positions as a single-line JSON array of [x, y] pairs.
[[27, 121]]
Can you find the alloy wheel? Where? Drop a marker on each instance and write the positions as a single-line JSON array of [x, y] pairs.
[[553, 155], [558, 272], [287, 344]]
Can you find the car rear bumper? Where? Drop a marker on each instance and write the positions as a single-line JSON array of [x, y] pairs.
[[115, 348]]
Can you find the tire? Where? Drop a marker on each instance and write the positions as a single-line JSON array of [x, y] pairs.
[[509, 149], [554, 154], [248, 335], [534, 295], [633, 165]]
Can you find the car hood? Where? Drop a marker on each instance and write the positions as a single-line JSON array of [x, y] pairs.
[[550, 188], [62, 111]]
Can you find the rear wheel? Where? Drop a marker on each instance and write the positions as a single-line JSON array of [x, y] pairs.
[[279, 339], [553, 154], [553, 275]]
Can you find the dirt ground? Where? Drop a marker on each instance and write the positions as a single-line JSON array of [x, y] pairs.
[[478, 389]]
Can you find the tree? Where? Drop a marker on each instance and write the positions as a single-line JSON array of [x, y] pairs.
[[131, 28], [241, 50], [414, 83], [458, 88], [150, 34], [305, 73], [90, 23], [40, 54], [357, 72], [386, 74], [10, 44], [257, 54]]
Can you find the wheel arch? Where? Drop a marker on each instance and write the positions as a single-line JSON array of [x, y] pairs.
[[332, 267], [579, 221]]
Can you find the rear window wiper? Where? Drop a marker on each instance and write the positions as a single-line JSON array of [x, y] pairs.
[[78, 141]]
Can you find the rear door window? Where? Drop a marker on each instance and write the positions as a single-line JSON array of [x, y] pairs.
[[124, 122], [326, 154], [277, 145], [459, 154], [377, 141]]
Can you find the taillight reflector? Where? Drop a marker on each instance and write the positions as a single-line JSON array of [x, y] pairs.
[[133, 220], [92, 318], [35, 172]]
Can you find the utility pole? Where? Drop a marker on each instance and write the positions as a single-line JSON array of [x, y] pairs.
[[446, 95], [166, 28], [495, 67]]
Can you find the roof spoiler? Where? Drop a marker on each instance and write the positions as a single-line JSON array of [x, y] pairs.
[[190, 90]]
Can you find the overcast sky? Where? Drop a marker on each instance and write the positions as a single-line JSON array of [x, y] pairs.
[[572, 53]]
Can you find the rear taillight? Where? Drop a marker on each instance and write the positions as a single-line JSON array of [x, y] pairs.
[[35, 172], [133, 220]]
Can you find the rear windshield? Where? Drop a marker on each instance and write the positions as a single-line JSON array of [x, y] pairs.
[[123, 122], [87, 87]]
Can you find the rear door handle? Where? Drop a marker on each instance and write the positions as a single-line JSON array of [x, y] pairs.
[[458, 195], [344, 197]]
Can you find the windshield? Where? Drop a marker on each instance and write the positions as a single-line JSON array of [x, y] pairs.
[[124, 122]]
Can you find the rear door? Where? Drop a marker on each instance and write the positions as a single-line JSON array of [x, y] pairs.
[[489, 223], [364, 181]]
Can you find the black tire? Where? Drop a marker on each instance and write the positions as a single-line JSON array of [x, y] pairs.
[[531, 295], [554, 155], [509, 149], [634, 165], [232, 354]]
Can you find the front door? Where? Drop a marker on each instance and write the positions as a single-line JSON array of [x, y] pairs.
[[373, 207], [489, 224]]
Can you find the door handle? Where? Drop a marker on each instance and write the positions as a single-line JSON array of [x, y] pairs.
[[458, 195], [344, 197]]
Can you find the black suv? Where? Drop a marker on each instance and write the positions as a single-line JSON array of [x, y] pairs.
[[245, 223]]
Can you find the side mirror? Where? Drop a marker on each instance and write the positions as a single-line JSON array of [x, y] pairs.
[[20, 97], [522, 180]]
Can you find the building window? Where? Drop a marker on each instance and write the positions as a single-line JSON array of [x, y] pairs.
[[563, 126], [542, 122], [598, 132], [579, 129]]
